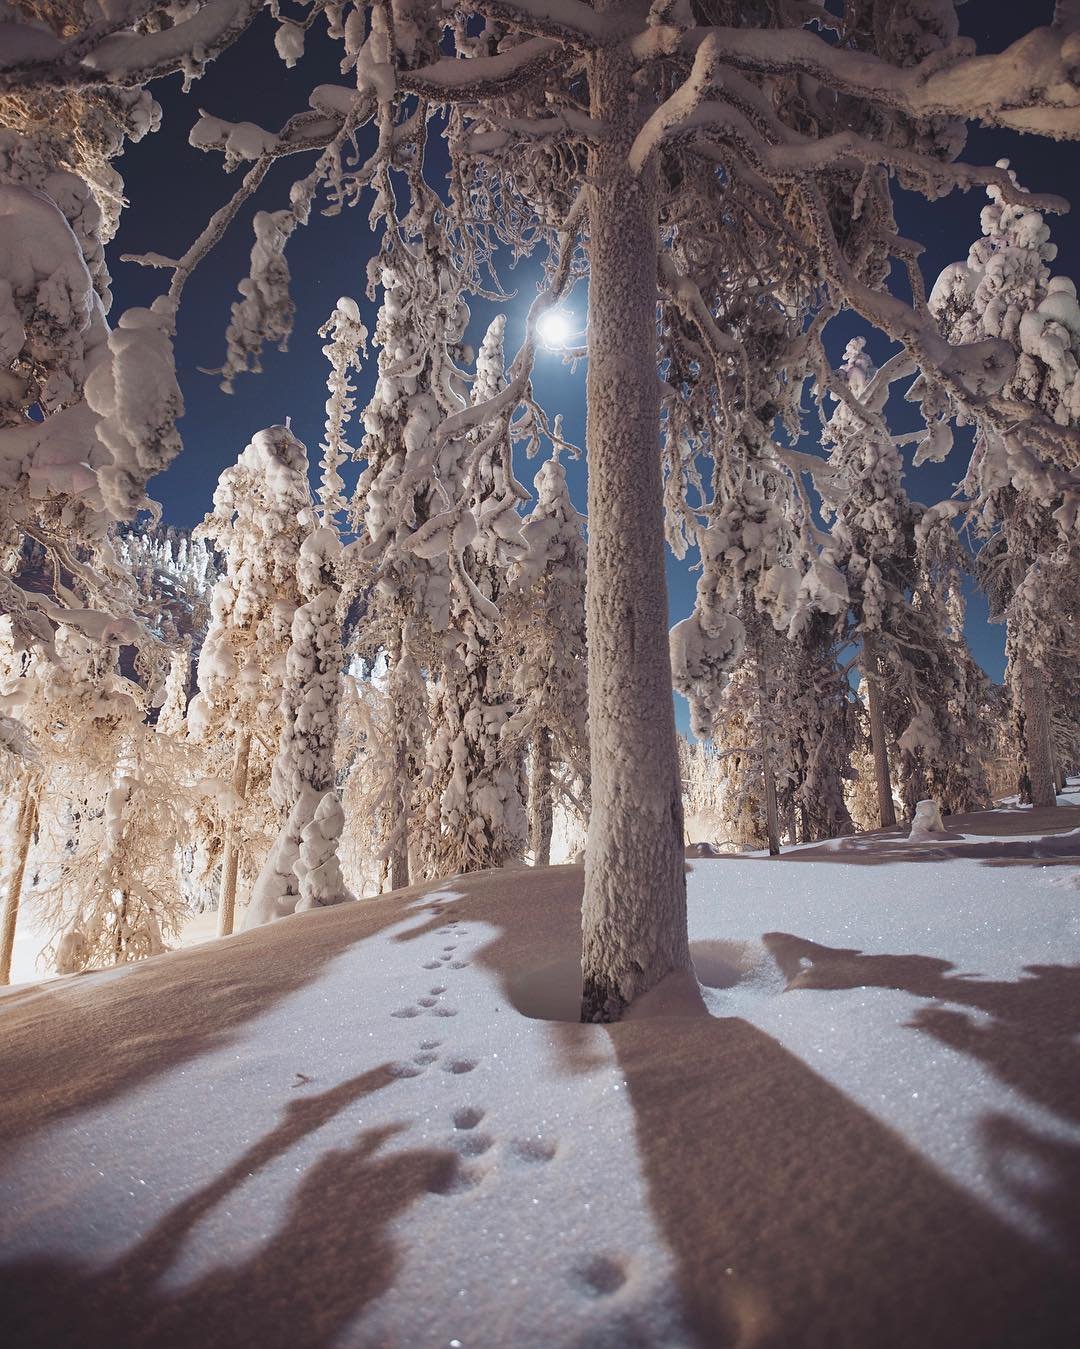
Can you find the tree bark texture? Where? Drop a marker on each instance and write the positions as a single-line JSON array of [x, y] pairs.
[[768, 769], [634, 911], [24, 833], [1038, 738], [540, 812], [230, 858], [886, 808]]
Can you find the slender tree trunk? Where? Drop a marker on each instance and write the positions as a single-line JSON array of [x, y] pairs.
[[768, 770], [230, 858], [1038, 738], [24, 833], [634, 912], [399, 856], [886, 809], [540, 814]]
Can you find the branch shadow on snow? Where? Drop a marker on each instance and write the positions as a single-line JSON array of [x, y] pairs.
[[1025, 1032], [331, 1256]]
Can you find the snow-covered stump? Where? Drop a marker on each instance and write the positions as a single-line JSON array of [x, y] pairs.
[[634, 907], [926, 821]]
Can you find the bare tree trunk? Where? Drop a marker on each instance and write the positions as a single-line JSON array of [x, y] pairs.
[[540, 813], [1038, 738], [24, 833], [634, 911], [886, 809], [230, 857], [768, 771]]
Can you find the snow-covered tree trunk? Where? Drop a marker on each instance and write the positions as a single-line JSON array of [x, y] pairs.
[[230, 857], [886, 809], [540, 812], [768, 767], [24, 833], [634, 910]]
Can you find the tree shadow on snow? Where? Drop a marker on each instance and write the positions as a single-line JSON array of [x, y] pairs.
[[72, 1044], [331, 1256], [799, 1221]]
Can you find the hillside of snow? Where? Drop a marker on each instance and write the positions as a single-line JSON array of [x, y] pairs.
[[381, 1125]]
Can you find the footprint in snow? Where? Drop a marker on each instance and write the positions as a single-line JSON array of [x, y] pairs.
[[533, 1149], [472, 1144], [601, 1275], [450, 1177], [430, 965], [405, 1069], [426, 1002], [442, 1011], [468, 1117], [439, 988], [430, 1044], [451, 947], [458, 964], [459, 1066], [405, 1012], [425, 1057]]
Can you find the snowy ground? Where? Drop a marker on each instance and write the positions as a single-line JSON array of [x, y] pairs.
[[372, 1126]]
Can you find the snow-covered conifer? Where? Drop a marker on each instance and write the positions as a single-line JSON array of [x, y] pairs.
[[256, 525], [1017, 484], [545, 639]]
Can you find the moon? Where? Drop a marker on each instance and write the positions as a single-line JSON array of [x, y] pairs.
[[554, 328]]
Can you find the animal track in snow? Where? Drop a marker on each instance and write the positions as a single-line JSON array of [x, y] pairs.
[[426, 1002], [430, 965], [450, 1177], [405, 1012], [458, 964], [533, 1149], [425, 1057], [430, 1044], [439, 988], [472, 1144], [443, 1011], [451, 947], [405, 1070], [459, 1066], [601, 1275], [468, 1117]]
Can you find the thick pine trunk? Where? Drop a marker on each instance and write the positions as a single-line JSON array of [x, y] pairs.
[[886, 809], [230, 858], [24, 833], [540, 814], [634, 911], [1038, 738], [768, 769]]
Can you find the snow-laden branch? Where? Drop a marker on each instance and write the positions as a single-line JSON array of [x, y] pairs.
[[112, 54], [567, 21], [463, 80], [1031, 86]]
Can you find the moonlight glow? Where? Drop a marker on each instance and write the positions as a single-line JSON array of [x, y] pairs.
[[555, 327]]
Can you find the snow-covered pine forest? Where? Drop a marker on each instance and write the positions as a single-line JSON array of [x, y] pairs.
[[615, 681]]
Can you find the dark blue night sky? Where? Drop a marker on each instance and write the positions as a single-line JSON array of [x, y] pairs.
[[173, 189]]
